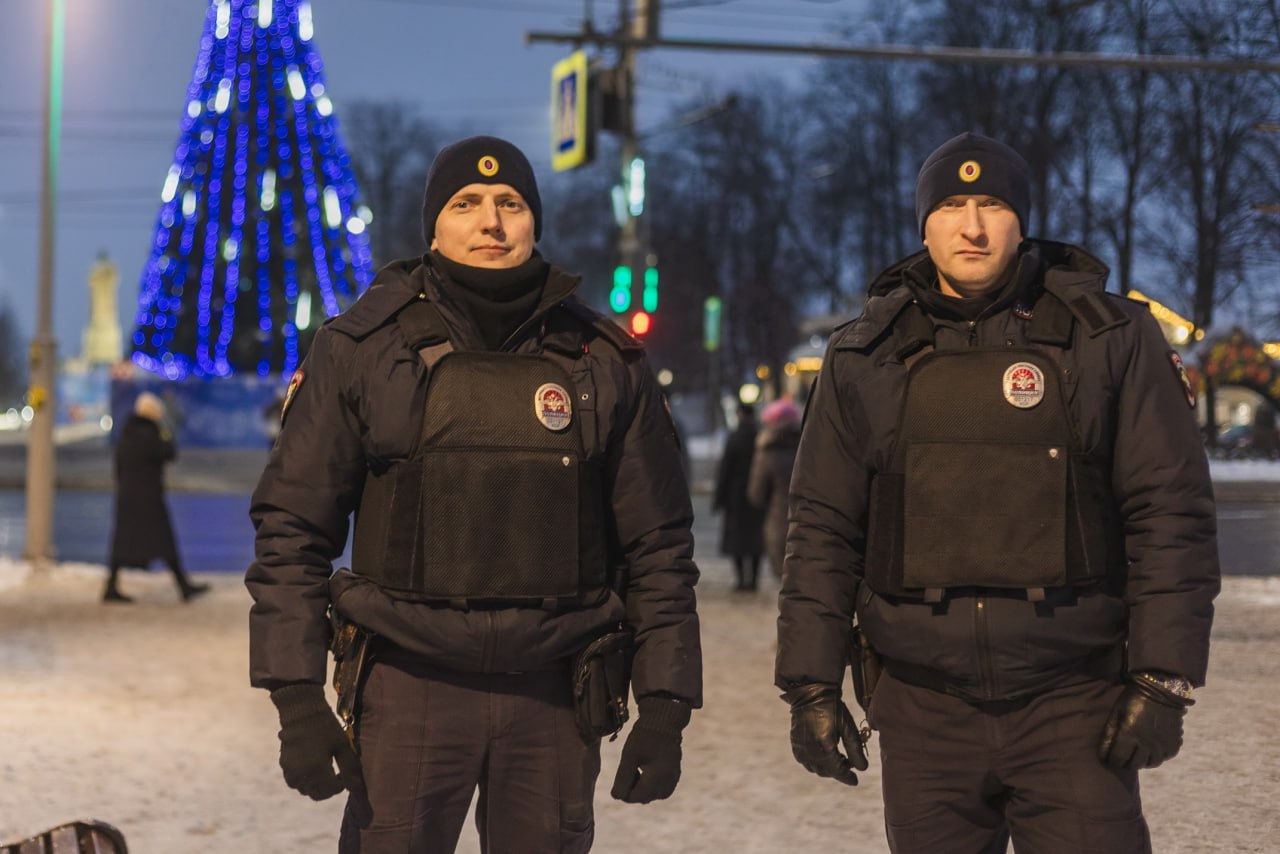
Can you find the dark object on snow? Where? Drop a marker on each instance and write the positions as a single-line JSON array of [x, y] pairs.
[[77, 837]]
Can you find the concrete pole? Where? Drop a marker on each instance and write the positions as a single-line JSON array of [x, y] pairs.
[[44, 347]]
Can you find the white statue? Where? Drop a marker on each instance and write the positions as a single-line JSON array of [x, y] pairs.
[[100, 343]]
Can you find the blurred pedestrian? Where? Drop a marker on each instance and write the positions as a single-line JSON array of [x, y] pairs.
[[770, 479], [142, 531], [740, 535], [522, 539], [1001, 480], [1265, 439]]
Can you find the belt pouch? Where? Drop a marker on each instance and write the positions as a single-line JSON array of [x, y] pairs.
[[601, 681]]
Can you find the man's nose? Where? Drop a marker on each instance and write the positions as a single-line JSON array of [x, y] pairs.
[[491, 220], [971, 223]]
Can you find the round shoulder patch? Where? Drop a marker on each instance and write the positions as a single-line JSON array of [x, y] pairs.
[[1187, 388], [487, 166], [552, 406], [1023, 385], [295, 383], [970, 171]]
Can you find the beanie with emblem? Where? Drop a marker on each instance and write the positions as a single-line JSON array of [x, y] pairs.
[[478, 160], [974, 165]]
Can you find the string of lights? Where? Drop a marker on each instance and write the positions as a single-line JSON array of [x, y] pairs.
[[260, 218]]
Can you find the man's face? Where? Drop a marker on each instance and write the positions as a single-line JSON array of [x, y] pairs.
[[485, 225], [972, 241]]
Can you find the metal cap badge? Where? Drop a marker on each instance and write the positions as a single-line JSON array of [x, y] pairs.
[[1023, 385], [552, 406]]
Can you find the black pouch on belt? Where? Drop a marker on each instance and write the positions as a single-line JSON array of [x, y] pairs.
[[601, 681], [864, 662]]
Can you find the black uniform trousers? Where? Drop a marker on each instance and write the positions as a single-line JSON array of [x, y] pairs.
[[428, 737], [962, 777]]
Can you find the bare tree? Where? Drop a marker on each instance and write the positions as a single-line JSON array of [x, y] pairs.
[[391, 148], [1208, 220], [737, 176], [863, 155], [1126, 128]]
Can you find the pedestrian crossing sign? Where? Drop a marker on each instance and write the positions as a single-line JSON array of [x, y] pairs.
[[570, 112]]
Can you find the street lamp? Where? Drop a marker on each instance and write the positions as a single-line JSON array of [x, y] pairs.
[[44, 347]]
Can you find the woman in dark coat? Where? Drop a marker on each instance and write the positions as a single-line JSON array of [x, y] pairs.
[[142, 531], [740, 535], [771, 475]]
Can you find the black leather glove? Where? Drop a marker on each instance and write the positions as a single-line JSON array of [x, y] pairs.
[[311, 740], [1144, 727], [650, 764], [820, 722]]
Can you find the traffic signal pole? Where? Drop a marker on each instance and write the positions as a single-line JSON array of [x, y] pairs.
[[629, 232]]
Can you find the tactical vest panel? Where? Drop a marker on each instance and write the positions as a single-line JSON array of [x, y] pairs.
[[498, 503], [983, 489]]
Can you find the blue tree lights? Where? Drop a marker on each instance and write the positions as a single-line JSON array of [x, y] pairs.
[[260, 234]]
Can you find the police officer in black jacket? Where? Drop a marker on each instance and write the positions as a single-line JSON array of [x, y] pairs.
[[1001, 478], [518, 493]]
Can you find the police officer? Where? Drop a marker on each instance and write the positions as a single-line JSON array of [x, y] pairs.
[[1001, 477], [518, 493]]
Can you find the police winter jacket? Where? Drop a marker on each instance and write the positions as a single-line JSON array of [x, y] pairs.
[[359, 407], [1129, 409]]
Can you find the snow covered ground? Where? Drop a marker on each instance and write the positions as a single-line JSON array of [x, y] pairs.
[[142, 716]]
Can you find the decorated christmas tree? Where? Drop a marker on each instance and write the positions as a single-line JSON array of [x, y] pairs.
[[260, 235]]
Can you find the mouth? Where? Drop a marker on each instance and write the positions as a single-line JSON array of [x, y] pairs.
[[492, 249]]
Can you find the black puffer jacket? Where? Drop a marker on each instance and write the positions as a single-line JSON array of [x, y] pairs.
[[1129, 408], [359, 406]]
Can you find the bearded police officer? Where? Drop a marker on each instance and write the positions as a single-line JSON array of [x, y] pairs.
[[1001, 477], [519, 498]]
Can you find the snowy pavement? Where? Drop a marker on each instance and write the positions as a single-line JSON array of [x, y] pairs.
[[142, 716]]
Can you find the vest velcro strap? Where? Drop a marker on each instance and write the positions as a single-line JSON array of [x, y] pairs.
[[1097, 312], [933, 595], [1035, 594], [1051, 323]]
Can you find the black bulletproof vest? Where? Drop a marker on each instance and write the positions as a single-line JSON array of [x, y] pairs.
[[498, 504], [987, 484]]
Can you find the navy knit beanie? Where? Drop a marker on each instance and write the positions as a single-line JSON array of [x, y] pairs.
[[974, 165], [478, 160]]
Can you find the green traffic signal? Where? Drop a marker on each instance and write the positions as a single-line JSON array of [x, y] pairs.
[[620, 296], [651, 289]]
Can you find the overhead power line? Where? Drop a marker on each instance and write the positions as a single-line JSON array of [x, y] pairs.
[[988, 56]]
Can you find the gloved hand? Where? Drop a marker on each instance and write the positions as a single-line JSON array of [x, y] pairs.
[[311, 740], [650, 764], [1144, 727], [820, 722]]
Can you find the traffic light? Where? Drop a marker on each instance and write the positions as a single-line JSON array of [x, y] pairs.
[[640, 323], [620, 296], [650, 296]]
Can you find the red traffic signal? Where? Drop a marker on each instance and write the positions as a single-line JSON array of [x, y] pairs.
[[640, 323]]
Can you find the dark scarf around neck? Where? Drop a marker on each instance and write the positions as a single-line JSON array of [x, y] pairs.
[[497, 301]]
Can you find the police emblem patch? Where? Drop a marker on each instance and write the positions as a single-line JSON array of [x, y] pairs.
[[487, 166], [1021, 309], [295, 383], [1023, 385], [1187, 388], [551, 405], [970, 171]]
